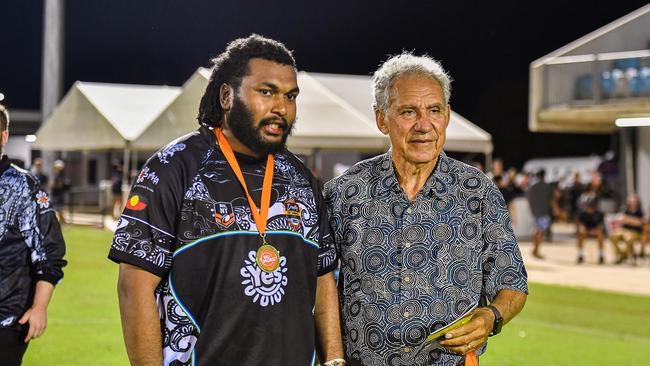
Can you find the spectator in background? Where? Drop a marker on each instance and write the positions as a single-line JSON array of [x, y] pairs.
[[496, 170], [539, 197], [646, 234], [116, 189], [574, 192], [590, 224], [478, 165], [60, 185], [37, 171], [632, 221]]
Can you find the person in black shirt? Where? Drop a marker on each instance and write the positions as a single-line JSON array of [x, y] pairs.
[[31, 256], [203, 272], [590, 224]]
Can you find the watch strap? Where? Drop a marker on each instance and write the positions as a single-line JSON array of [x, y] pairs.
[[498, 320]]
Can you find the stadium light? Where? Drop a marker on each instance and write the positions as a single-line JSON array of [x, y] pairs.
[[633, 122], [30, 138]]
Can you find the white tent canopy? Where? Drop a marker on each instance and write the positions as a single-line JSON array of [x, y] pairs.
[[99, 116], [334, 113]]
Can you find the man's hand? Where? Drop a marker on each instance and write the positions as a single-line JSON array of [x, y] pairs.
[[472, 335], [36, 316]]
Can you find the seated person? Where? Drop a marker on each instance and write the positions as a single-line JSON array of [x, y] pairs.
[[590, 224], [632, 230]]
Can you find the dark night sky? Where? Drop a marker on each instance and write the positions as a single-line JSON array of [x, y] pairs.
[[486, 46]]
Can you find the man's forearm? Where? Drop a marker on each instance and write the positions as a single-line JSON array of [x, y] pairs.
[[327, 319], [509, 303], [140, 321], [43, 294]]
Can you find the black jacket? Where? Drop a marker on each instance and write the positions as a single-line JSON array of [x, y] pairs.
[[31, 244]]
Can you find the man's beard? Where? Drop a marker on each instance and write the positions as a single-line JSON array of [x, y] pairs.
[[240, 121]]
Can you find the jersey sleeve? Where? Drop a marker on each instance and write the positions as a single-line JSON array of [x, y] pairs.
[[503, 266], [145, 232], [327, 255], [42, 234]]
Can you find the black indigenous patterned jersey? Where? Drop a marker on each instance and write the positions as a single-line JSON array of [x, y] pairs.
[[31, 244], [188, 221]]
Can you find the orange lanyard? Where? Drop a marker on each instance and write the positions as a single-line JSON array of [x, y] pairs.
[[259, 216]]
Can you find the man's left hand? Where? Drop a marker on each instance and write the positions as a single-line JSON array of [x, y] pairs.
[[36, 316], [472, 335]]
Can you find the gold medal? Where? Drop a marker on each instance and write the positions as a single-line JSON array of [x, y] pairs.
[[267, 258]]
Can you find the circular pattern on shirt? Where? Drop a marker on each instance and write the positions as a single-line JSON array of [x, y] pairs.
[[373, 236], [374, 336], [508, 277], [458, 273], [370, 209], [354, 308], [393, 284], [397, 209], [351, 259], [374, 260], [394, 359], [394, 314], [412, 309], [395, 258], [469, 229], [371, 313], [503, 260], [354, 334], [393, 335], [437, 309], [352, 190], [460, 250], [474, 204], [353, 211], [409, 279], [367, 284], [413, 233], [414, 333], [415, 257], [432, 276], [441, 232], [351, 235], [442, 205], [494, 234], [471, 183], [461, 306]]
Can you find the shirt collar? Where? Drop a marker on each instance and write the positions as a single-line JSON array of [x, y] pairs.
[[435, 182]]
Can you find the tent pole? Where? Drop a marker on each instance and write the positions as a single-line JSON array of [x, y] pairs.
[[126, 164]]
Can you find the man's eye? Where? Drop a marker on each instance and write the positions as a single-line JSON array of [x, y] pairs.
[[434, 110], [292, 96], [408, 113], [266, 92]]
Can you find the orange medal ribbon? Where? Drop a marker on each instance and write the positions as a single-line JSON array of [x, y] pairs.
[[268, 258]]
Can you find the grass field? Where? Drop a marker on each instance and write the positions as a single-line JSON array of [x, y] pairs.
[[559, 326]]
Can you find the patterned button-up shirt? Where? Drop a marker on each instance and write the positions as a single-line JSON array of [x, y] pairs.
[[409, 268]]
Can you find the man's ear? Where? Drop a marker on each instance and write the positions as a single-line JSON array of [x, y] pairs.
[[226, 96], [380, 119], [5, 137]]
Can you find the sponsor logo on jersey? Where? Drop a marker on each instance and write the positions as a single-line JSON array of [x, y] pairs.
[[43, 200], [265, 288], [294, 213], [135, 203], [7, 322], [224, 214], [147, 174]]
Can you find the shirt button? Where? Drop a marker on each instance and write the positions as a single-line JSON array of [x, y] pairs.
[[407, 279], [407, 314], [407, 349], [408, 245], [409, 210]]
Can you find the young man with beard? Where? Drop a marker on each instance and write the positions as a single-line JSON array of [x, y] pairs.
[[224, 244], [31, 256]]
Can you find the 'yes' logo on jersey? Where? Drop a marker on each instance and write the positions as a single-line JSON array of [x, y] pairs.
[[264, 287]]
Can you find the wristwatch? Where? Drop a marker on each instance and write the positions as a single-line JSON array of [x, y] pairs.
[[498, 320]]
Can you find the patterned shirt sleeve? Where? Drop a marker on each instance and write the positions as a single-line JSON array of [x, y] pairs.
[[327, 255], [42, 234], [146, 230], [503, 267]]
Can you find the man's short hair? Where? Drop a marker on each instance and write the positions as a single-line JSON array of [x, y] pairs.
[[407, 64], [232, 65], [4, 118]]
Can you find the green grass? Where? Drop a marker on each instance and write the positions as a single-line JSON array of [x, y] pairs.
[[558, 326]]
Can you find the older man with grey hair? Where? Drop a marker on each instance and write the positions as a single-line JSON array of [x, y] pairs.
[[424, 239]]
